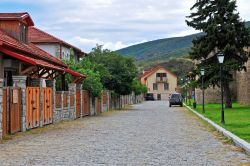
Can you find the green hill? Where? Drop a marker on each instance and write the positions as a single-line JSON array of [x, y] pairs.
[[163, 49]]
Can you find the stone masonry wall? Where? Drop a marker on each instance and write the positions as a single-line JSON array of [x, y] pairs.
[[243, 86], [211, 95]]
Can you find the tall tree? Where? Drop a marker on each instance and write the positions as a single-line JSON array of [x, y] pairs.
[[225, 32]]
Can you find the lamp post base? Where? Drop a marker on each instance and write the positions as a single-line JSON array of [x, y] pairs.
[[194, 104]]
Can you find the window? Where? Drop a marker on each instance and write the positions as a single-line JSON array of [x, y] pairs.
[[161, 74], [166, 86], [23, 33], [155, 87]]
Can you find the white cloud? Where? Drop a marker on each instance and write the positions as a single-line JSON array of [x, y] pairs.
[[112, 23], [88, 44]]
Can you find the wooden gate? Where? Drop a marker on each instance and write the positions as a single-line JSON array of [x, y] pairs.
[[97, 105], [11, 122], [47, 106], [78, 104], [85, 104], [32, 107]]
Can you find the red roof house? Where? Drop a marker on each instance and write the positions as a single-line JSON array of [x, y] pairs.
[[18, 56]]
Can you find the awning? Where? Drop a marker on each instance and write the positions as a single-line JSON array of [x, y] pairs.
[[43, 64], [29, 60], [18, 56]]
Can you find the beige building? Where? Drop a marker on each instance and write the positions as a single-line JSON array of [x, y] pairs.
[[159, 81]]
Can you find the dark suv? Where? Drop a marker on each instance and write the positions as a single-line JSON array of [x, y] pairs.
[[149, 96], [175, 99]]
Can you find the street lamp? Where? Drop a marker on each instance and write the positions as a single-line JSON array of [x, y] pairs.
[[202, 82], [220, 57]]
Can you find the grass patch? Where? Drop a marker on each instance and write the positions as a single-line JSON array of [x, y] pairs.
[[237, 119]]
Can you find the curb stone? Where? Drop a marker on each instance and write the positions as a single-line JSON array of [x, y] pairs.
[[237, 141]]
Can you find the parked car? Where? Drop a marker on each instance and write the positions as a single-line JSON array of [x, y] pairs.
[[176, 99], [149, 96]]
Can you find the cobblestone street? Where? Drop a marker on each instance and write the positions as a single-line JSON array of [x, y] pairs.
[[149, 134]]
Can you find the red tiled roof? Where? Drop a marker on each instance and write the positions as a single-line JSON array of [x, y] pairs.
[[153, 70], [36, 35], [17, 16], [74, 73], [29, 60], [29, 48]]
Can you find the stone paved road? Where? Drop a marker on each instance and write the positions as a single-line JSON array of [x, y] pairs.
[[150, 134]]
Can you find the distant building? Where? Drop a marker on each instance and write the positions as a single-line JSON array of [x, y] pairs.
[[52, 44], [159, 81]]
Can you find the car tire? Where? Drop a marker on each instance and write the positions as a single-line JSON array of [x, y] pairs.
[[181, 105], [170, 105]]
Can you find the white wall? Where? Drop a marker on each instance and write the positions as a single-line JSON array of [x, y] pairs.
[[50, 48], [54, 49]]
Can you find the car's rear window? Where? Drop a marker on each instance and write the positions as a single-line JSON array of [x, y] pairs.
[[175, 96]]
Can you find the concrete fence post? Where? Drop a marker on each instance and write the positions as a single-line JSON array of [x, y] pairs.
[[1, 108], [108, 102], [72, 91], [91, 106], [20, 81]]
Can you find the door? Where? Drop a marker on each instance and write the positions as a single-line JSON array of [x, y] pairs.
[[11, 122], [78, 104], [86, 103], [47, 106], [15, 110], [158, 96], [32, 107]]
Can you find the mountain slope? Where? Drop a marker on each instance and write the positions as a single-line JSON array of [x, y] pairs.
[[162, 49]]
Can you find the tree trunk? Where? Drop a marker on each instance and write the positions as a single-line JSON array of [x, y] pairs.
[[228, 96]]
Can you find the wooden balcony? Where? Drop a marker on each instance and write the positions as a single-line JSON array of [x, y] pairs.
[[161, 79]]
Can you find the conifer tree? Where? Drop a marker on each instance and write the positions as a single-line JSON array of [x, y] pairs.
[[225, 32]]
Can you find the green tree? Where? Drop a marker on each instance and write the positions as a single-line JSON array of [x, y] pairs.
[[117, 72], [92, 83], [138, 88], [225, 32]]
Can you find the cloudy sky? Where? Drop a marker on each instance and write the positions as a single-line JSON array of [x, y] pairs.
[[112, 23]]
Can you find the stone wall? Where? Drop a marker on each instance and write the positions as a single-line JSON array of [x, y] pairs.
[[211, 95], [243, 86]]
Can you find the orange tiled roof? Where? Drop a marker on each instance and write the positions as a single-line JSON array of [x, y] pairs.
[[36, 35], [153, 70], [29, 48]]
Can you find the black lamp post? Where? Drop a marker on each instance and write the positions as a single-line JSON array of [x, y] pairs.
[[202, 84], [220, 57]]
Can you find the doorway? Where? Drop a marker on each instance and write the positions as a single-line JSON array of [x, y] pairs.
[[158, 96]]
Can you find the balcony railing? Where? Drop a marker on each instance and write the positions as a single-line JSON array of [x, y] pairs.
[[161, 79]]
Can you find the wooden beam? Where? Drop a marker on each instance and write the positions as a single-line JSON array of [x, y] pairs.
[[43, 72], [27, 70], [51, 74], [56, 76]]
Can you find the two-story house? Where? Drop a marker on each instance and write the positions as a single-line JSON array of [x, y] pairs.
[[18, 56], [159, 81], [53, 45]]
